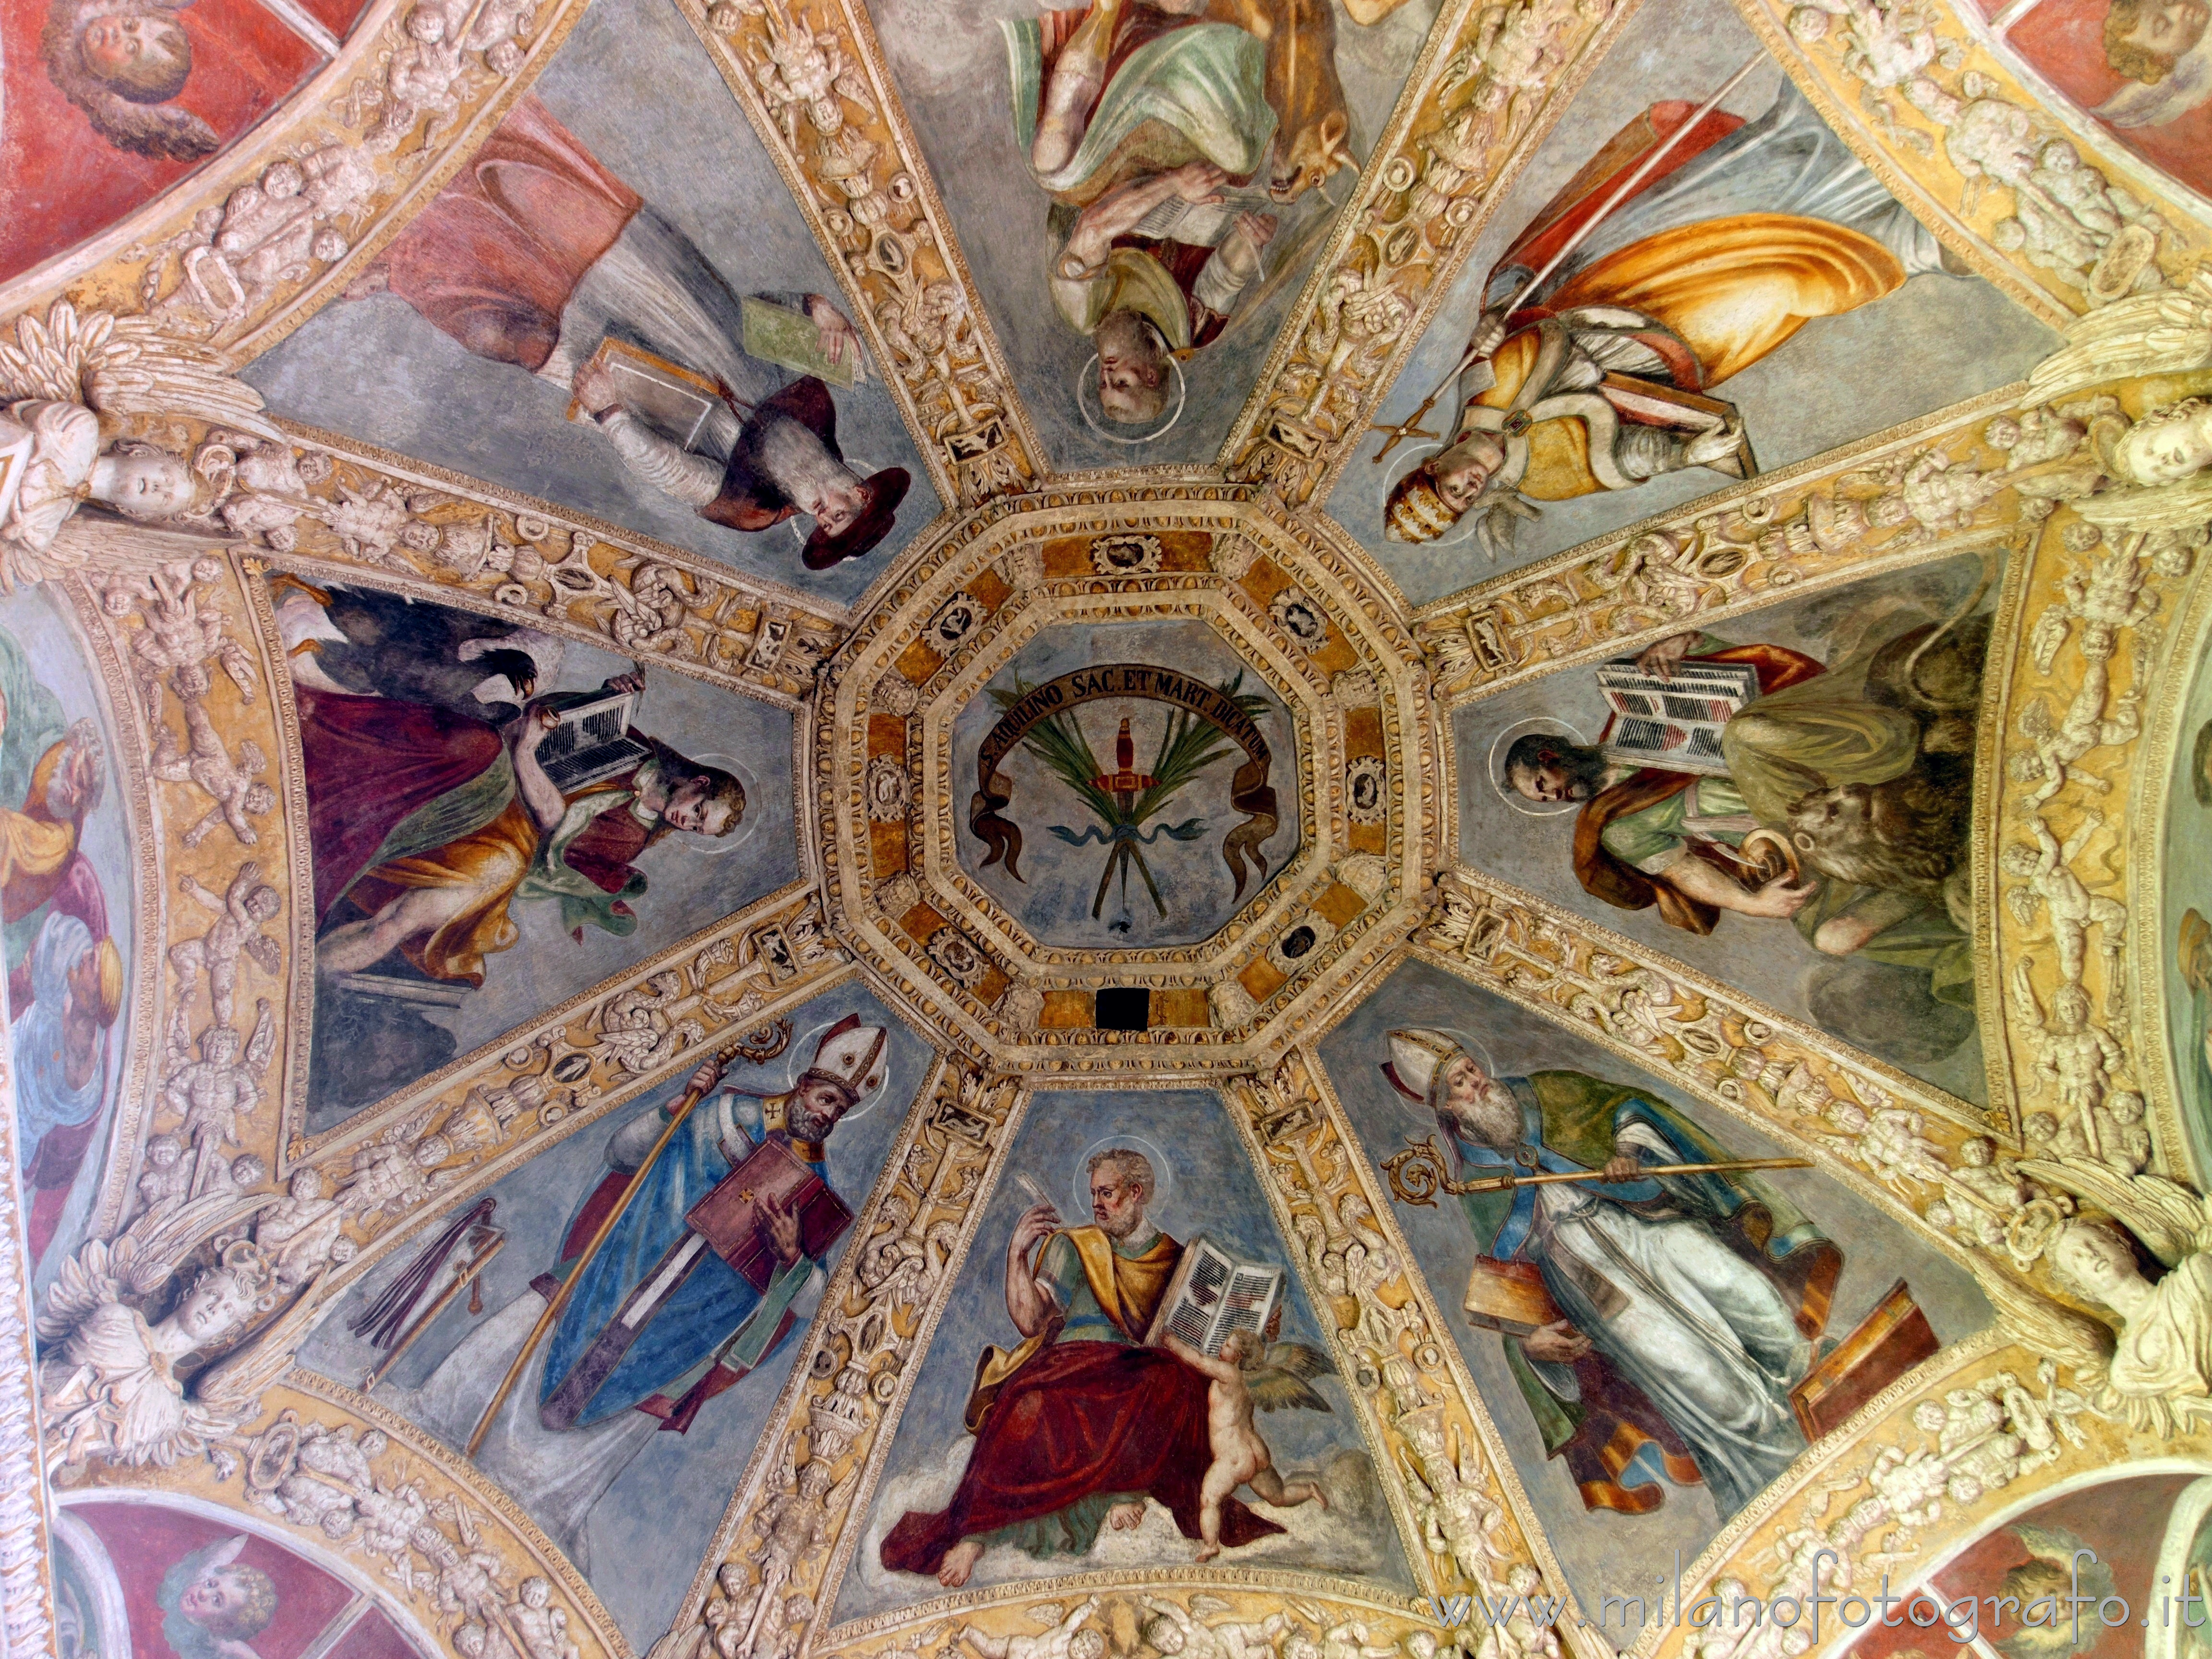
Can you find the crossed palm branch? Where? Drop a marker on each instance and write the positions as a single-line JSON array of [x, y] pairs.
[[1187, 747]]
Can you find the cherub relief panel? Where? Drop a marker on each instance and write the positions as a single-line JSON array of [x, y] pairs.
[[1158, 1457], [103, 107], [163, 1579], [1757, 297], [499, 818], [1140, 189], [1782, 801], [633, 1413], [1656, 1348], [633, 288], [66, 896]]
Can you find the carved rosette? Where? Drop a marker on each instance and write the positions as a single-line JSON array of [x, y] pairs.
[[899, 892]]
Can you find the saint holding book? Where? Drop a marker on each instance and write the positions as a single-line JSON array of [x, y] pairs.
[[1682, 1307], [428, 824], [536, 255], [1079, 1424], [662, 1319]]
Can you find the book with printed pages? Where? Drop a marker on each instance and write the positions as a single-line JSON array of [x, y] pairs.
[[1213, 1293]]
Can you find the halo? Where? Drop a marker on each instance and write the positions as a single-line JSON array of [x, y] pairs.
[[710, 847], [1163, 1173], [802, 524], [802, 1053], [1478, 1052], [1463, 528], [1551, 727], [1182, 393]]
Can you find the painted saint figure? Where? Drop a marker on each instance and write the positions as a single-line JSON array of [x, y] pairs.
[[431, 824], [1075, 1427], [1160, 132], [1860, 768], [1687, 1304], [659, 1324], [535, 252], [1601, 379]]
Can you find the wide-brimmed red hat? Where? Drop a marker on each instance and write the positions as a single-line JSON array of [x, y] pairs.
[[886, 489]]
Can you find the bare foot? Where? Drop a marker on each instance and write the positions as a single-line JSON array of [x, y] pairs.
[[1127, 1517], [959, 1561], [1207, 1552]]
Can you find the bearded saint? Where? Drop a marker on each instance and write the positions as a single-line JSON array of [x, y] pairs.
[[659, 1324], [1820, 757], [1079, 1424], [1598, 380], [1687, 1304]]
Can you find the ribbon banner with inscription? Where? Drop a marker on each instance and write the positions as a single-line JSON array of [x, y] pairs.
[[1121, 798]]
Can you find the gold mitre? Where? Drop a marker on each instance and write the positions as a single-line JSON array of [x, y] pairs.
[[1414, 1056], [1417, 513]]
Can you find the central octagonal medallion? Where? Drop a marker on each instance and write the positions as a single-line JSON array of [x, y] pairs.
[[1112, 785], [1135, 785]]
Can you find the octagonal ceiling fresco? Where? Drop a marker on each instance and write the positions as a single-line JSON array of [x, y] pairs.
[[1179, 792], [1273, 831]]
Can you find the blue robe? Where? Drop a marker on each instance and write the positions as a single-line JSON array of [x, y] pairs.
[[714, 1305]]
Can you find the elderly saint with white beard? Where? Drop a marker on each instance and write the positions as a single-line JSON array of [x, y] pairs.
[[1686, 1305]]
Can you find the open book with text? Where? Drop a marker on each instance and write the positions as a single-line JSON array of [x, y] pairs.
[[592, 742], [1675, 723], [1213, 1293]]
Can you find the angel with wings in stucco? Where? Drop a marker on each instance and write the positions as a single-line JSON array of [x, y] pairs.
[[71, 388]]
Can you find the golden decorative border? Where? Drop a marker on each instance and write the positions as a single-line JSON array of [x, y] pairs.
[[1883, 116], [1804, 529], [139, 264], [972, 553], [1436, 171]]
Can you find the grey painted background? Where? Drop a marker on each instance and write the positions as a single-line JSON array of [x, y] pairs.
[[690, 879], [647, 1533], [1935, 341], [634, 83], [1603, 1553], [1768, 959], [950, 61], [1214, 1191]]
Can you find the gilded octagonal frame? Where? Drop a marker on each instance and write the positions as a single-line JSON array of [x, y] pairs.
[[895, 884]]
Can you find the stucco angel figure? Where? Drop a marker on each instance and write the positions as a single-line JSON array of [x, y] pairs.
[[69, 387], [108, 1382], [2156, 1373]]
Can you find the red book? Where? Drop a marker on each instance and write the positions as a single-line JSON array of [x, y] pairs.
[[729, 1218]]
